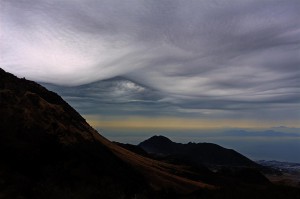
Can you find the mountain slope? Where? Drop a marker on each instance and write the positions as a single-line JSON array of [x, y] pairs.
[[48, 150]]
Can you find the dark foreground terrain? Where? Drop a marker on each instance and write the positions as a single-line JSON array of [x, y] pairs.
[[48, 151]]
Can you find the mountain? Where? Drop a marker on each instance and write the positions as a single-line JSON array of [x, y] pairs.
[[222, 176], [48, 150], [198, 153], [230, 167]]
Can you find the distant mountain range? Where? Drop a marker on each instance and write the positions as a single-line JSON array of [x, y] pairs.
[[266, 133], [49, 151]]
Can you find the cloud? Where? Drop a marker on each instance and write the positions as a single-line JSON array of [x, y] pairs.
[[225, 55], [120, 98], [116, 96]]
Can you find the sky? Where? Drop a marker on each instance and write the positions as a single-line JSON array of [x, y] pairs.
[[197, 64]]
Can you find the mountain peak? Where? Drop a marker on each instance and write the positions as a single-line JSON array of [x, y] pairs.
[[158, 141], [159, 138]]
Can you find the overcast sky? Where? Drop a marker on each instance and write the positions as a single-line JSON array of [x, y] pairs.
[[210, 59]]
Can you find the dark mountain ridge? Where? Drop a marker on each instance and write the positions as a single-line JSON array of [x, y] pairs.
[[199, 153], [49, 151]]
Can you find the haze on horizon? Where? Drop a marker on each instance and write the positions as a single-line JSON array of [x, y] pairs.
[[208, 64]]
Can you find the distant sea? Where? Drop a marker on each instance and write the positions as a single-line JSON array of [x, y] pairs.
[[264, 145]]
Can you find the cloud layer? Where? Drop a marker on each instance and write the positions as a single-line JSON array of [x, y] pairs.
[[215, 55]]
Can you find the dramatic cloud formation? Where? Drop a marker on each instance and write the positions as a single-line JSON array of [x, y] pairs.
[[227, 58]]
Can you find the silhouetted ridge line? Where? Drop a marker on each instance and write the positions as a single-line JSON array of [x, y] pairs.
[[9, 81], [200, 153], [48, 150]]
